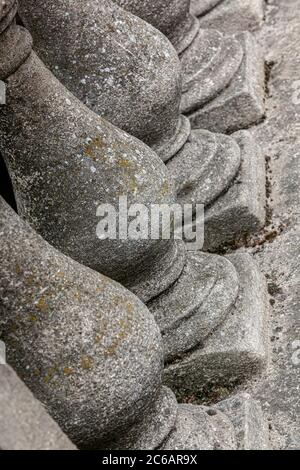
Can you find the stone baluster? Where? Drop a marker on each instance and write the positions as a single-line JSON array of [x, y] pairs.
[[127, 72], [91, 353], [64, 160], [230, 16], [223, 75]]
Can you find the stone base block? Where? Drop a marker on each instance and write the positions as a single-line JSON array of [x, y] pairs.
[[241, 104], [250, 426], [231, 16], [237, 349], [241, 210], [237, 423]]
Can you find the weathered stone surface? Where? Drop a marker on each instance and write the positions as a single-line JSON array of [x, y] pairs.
[[241, 210], [250, 426], [278, 249], [241, 104], [210, 62], [60, 183], [230, 16], [223, 75], [193, 168], [209, 65], [85, 346], [94, 163], [201, 7], [8, 10], [233, 352], [171, 17], [196, 429], [119, 66], [154, 427], [235, 197], [187, 315], [24, 422]]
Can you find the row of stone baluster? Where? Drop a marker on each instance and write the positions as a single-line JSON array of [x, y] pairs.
[[104, 107]]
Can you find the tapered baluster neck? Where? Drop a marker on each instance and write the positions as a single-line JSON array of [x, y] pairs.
[[15, 41]]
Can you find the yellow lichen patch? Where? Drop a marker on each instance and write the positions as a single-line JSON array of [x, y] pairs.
[[29, 280], [125, 330], [87, 362], [77, 295], [42, 304], [129, 307], [67, 371], [32, 317], [18, 269], [98, 338], [91, 149], [50, 374], [124, 163], [60, 274], [165, 189]]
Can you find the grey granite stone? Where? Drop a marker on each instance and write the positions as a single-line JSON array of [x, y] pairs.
[[209, 66], [24, 422], [153, 428], [201, 7], [63, 324], [250, 425], [212, 63], [229, 16], [193, 168], [120, 67], [211, 55], [185, 314], [277, 250], [196, 429], [241, 104], [60, 183], [242, 209], [86, 347], [234, 352], [171, 17]]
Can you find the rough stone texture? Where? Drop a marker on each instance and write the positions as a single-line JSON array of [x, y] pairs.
[[250, 426], [85, 346], [211, 55], [242, 209], [171, 17], [185, 314], [90, 351], [24, 422], [277, 248], [154, 428], [60, 183], [223, 75], [120, 67], [201, 7], [209, 65], [196, 429], [95, 162], [193, 168], [241, 104], [229, 16], [234, 352]]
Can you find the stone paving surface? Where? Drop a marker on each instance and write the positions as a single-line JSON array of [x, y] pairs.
[[277, 248]]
